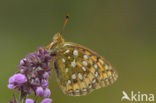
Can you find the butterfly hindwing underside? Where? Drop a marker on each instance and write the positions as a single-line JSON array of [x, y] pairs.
[[80, 70]]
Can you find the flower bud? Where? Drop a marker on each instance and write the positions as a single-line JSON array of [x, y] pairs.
[[11, 80], [46, 75], [47, 93], [11, 86], [29, 101], [46, 100], [22, 61], [20, 78], [44, 83], [39, 91]]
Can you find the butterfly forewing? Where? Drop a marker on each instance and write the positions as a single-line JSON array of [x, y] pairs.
[[80, 70]]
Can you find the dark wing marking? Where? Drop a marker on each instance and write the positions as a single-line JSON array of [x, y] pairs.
[[80, 70]]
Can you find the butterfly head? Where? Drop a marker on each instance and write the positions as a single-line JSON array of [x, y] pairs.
[[57, 41], [58, 38]]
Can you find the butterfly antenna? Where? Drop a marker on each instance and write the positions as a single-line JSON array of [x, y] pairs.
[[65, 22], [62, 30]]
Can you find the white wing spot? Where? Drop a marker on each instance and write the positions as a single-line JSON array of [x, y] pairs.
[[77, 91], [67, 51], [67, 69], [68, 82], [63, 60], [66, 44], [75, 53], [90, 86], [110, 78], [80, 76], [84, 90], [96, 74], [73, 64], [70, 91], [68, 57], [85, 57], [113, 74], [106, 67], [94, 80], [73, 76], [106, 80], [83, 68], [95, 66], [84, 63]]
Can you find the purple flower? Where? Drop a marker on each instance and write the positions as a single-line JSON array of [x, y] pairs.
[[44, 83], [46, 100], [19, 78], [32, 77], [11, 86], [46, 75], [22, 61], [11, 80], [47, 93], [29, 101], [39, 91], [16, 80]]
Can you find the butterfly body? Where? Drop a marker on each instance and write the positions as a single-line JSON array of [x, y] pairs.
[[79, 69]]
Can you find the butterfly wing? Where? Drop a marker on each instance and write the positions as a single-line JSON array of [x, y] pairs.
[[80, 70]]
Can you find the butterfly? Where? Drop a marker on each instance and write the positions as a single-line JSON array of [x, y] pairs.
[[79, 70]]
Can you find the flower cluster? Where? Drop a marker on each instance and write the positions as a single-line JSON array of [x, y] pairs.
[[33, 75]]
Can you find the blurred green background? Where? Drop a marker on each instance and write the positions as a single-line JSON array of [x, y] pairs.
[[122, 31]]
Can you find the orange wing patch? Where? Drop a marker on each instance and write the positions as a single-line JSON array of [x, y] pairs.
[[81, 71]]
